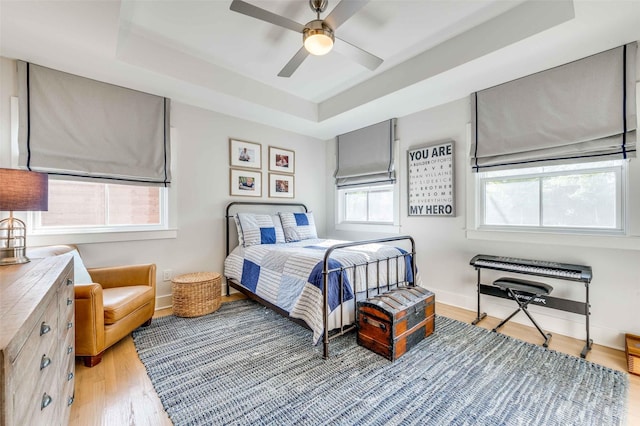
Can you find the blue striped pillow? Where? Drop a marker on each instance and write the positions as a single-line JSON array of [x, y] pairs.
[[298, 226], [259, 229]]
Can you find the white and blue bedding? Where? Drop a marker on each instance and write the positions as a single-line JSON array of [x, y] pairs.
[[289, 275]]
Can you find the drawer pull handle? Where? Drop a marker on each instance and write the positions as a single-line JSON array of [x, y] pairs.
[[375, 323], [69, 281], [69, 301], [69, 376], [45, 362], [46, 401], [69, 325], [69, 349], [70, 400], [44, 328]]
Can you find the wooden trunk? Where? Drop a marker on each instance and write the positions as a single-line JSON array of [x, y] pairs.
[[392, 323]]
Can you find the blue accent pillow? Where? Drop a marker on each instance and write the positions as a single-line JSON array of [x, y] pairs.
[[298, 226], [257, 229], [301, 219]]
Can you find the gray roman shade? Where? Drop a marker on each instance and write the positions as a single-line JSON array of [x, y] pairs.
[[365, 156], [578, 112], [79, 128]]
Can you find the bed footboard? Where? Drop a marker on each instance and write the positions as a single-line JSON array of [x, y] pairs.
[[407, 279], [402, 276]]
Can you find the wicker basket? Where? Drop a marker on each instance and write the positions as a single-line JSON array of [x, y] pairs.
[[196, 294], [632, 349]]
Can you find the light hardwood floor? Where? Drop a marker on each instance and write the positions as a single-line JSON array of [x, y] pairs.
[[118, 391]]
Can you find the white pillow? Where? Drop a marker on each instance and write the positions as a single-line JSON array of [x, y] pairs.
[[239, 228], [298, 226], [80, 273]]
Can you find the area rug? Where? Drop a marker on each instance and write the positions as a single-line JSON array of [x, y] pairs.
[[246, 365]]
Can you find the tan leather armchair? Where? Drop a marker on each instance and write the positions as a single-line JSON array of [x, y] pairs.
[[119, 300]]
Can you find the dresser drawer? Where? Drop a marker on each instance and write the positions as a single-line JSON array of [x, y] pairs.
[[66, 298], [67, 347], [39, 351], [68, 389], [43, 410], [66, 324], [34, 403]]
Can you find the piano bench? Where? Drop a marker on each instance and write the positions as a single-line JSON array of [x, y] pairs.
[[532, 287], [524, 292]]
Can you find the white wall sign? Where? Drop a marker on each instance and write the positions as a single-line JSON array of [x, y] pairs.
[[431, 185]]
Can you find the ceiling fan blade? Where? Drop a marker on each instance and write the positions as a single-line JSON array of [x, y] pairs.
[[294, 63], [358, 55], [264, 15], [343, 11]]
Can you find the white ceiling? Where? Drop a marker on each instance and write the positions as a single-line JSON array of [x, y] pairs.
[[201, 53]]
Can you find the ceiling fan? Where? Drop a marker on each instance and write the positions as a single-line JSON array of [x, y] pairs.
[[317, 35]]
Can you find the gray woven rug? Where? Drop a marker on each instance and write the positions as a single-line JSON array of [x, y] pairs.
[[246, 365]]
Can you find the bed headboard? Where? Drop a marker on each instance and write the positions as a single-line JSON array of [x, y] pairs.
[[255, 207]]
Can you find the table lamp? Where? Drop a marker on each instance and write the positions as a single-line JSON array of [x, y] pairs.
[[20, 190]]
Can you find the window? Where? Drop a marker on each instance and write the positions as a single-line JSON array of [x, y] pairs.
[[87, 206], [578, 197], [370, 204]]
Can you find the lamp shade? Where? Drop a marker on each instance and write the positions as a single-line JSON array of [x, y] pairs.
[[22, 190], [317, 38]]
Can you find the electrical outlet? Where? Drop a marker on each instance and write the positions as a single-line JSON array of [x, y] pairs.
[[167, 274]]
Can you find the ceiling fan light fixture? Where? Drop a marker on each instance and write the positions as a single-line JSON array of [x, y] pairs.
[[318, 38]]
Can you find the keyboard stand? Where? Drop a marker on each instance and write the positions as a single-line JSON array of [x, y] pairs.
[[581, 308]]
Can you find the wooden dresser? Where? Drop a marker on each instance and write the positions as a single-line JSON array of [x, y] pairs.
[[37, 342]]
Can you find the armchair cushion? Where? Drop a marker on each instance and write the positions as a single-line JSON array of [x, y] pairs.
[[122, 301]]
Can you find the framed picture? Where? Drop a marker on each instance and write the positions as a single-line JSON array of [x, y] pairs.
[[281, 160], [431, 180], [245, 154], [245, 183], [281, 186]]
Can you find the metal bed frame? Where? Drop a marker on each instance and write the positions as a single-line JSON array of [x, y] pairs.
[[343, 329]]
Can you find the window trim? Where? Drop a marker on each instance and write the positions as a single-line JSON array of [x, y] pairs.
[[630, 241], [622, 175], [35, 219], [102, 234], [369, 189], [385, 227]]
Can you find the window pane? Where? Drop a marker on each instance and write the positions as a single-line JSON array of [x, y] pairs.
[[582, 196], [355, 208], [514, 202], [85, 204], [134, 205], [381, 206], [583, 200], [75, 204]]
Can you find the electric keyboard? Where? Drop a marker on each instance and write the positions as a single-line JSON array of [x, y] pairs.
[[542, 268], [565, 271]]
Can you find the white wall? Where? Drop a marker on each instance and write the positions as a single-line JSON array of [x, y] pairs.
[[202, 190], [201, 185], [444, 251]]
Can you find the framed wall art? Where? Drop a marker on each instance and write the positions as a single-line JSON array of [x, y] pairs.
[[245, 154], [246, 183], [281, 160], [281, 186], [431, 180]]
